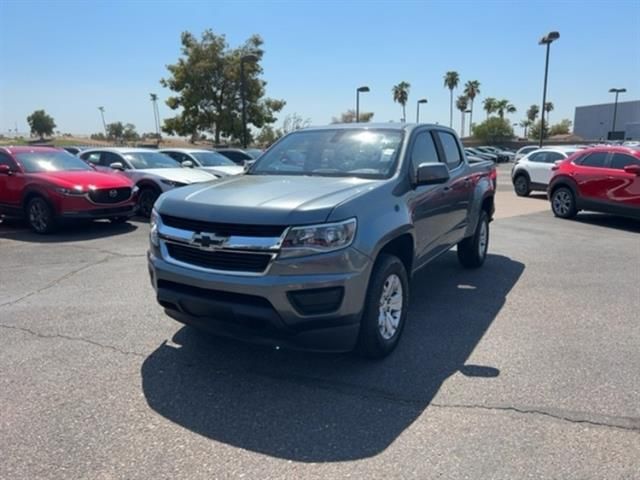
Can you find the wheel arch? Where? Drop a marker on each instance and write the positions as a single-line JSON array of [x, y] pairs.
[[402, 246]]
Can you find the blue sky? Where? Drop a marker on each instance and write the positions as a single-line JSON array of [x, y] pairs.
[[69, 57]]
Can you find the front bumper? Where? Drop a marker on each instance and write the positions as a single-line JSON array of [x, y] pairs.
[[98, 213], [263, 308]]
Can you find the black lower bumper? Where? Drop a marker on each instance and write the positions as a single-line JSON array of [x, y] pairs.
[[253, 319], [97, 213]]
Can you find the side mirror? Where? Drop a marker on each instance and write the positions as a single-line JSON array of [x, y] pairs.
[[432, 173], [117, 166], [187, 164], [633, 169], [5, 170]]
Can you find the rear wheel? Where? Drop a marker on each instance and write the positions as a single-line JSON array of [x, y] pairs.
[[472, 251], [563, 203], [40, 216], [385, 310], [146, 199], [522, 186]]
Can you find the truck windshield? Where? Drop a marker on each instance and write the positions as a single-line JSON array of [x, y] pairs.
[[51, 161], [368, 153]]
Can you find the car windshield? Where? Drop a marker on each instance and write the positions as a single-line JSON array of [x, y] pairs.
[[212, 159], [333, 153], [51, 161], [144, 160]]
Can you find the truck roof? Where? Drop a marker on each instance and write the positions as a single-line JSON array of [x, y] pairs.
[[375, 126]]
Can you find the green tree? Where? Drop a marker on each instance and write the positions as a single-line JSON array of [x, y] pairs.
[[489, 105], [115, 131], [548, 108], [41, 123], [503, 106], [350, 117], [293, 122], [462, 102], [451, 80], [562, 128], [534, 130], [268, 135], [471, 90], [207, 83], [525, 124], [401, 96], [494, 130], [532, 113], [129, 133]]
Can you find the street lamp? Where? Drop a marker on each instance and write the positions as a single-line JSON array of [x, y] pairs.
[[547, 40], [422, 100], [617, 91], [104, 125], [359, 90], [246, 58], [464, 117], [156, 115]]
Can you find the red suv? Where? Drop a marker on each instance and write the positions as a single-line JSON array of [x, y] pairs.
[[602, 179], [48, 184]]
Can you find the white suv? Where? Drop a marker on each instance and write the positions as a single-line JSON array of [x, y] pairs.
[[533, 171]]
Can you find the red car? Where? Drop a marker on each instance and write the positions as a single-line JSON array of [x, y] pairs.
[[602, 179], [47, 185]]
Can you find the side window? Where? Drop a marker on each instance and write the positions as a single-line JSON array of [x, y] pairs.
[[7, 160], [107, 158], [552, 157], [596, 159], [91, 157], [451, 150], [620, 160], [424, 150], [177, 156], [537, 157]]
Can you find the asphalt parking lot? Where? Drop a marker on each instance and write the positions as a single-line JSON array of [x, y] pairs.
[[526, 368]]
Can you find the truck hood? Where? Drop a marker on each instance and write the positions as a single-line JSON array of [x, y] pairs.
[[224, 170], [182, 175], [263, 199]]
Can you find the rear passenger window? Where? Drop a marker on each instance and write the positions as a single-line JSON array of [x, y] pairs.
[[451, 150], [424, 150], [596, 159], [553, 157], [537, 157], [620, 160]]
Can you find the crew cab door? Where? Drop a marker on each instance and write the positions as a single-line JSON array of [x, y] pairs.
[[11, 186]]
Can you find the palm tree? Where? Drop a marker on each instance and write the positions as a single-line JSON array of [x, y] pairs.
[[548, 107], [462, 103], [526, 123], [471, 90], [502, 106], [451, 80], [532, 113], [489, 105], [401, 96]]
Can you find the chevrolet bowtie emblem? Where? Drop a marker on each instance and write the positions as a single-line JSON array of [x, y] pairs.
[[208, 240]]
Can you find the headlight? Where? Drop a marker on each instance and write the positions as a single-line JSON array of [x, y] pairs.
[[312, 239], [153, 230], [75, 191], [173, 183]]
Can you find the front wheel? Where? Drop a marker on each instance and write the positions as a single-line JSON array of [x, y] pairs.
[[40, 215], [563, 203], [522, 186], [147, 198], [472, 251], [385, 309]]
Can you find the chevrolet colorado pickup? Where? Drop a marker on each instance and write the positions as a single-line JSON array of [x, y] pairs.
[[314, 247]]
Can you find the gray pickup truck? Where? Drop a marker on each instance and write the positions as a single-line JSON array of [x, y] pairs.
[[315, 246]]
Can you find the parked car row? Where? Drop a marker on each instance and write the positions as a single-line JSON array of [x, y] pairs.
[[47, 185]]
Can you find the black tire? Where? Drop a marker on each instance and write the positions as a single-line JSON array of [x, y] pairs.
[[522, 186], [40, 216], [372, 342], [563, 203], [119, 220], [146, 198], [472, 251]]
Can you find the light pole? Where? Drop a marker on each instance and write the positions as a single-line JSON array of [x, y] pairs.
[[547, 40], [422, 100], [246, 58], [104, 125], [464, 117], [156, 116], [617, 91], [363, 89]]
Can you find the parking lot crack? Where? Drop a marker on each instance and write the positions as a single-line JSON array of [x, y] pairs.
[[55, 282], [74, 339]]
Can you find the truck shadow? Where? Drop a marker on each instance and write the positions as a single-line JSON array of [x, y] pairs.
[[328, 408]]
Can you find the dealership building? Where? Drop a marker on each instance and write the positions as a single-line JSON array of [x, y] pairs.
[[594, 122]]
